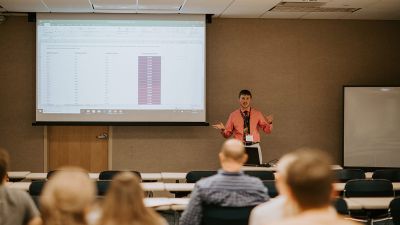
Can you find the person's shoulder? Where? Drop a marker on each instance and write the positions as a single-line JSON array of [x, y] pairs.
[[273, 205], [19, 193], [299, 220], [255, 111], [207, 181], [235, 112], [16, 196], [253, 180]]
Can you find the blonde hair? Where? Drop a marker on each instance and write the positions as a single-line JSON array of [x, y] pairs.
[[123, 203], [66, 196]]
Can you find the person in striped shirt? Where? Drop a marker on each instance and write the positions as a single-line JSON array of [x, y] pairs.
[[230, 187]]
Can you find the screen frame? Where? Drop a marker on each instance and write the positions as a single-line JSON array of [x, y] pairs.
[[114, 16]]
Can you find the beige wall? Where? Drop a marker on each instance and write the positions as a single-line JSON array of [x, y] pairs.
[[295, 68]]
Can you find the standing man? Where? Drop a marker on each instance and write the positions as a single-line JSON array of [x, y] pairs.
[[245, 122]]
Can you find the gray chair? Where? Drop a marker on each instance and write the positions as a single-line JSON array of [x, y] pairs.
[[270, 185], [345, 175], [394, 211], [35, 190]]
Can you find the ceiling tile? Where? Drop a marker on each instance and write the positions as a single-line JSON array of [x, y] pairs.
[[24, 6], [350, 3], [283, 15], [160, 4], [115, 10], [387, 5], [69, 6], [205, 6], [114, 5], [249, 8], [325, 15], [370, 9], [369, 14], [153, 11]]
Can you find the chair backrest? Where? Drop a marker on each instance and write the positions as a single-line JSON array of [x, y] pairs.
[[218, 215], [340, 206], [109, 174], [263, 175], [102, 186], [270, 185], [196, 175], [345, 175], [369, 188], [388, 174], [36, 187], [394, 209]]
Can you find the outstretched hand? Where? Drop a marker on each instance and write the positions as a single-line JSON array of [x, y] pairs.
[[219, 126]]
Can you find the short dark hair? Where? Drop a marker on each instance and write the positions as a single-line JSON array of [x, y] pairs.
[[310, 178], [4, 161], [245, 92]]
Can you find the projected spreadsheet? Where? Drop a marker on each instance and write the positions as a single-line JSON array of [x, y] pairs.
[[149, 80], [118, 67], [134, 68]]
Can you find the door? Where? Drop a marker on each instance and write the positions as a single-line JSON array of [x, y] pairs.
[[83, 146]]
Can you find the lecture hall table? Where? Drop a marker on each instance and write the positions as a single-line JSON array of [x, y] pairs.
[[95, 176], [153, 186]]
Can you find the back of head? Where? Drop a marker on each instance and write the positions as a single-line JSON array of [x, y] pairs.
[[124, 204], [233, 150], [66, 197], [309, 177], [4, 161]]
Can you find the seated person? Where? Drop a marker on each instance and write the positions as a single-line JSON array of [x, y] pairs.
[[67, 197], [279, 207], [123, 203], [16, 206], [310, 187], [230, 187]]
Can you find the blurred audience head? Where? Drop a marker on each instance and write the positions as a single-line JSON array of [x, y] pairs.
[[232, 153], [123, 203], [67, 197], [309, 178], [4, 162]]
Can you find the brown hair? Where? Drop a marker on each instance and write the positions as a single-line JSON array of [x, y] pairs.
[[245, 92], [124, 204], [4, 161], [310, 178], [66, 196]]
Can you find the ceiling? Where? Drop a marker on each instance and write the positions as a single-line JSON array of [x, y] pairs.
[[304, 9]]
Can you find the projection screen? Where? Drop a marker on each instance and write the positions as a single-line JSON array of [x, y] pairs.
[[120, 68]]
